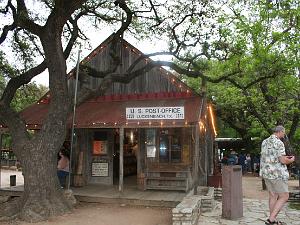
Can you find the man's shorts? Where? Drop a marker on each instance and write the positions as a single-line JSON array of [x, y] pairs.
[[277, 186]]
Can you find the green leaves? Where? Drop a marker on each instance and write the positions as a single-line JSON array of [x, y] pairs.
[[261, 41], [27, 95]]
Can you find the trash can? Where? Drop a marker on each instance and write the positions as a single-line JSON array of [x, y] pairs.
[[232, 193], [13, 180]]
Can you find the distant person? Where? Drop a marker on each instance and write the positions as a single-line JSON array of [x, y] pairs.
[[241, 162], [248, 163], [63, 167], [224, 160], [232, 158], [256, 164], [274, 171]]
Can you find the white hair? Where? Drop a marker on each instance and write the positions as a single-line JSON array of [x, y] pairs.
[[279, 128]]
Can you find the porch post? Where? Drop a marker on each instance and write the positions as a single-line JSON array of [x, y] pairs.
[[138, 154], [206, 159], [196, 155], [121, 159]]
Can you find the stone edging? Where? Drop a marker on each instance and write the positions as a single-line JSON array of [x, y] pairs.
[[187, 212]]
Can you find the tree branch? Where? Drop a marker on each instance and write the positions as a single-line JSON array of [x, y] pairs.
[[10, 27], [291, 25], [16, 82], [252, 109], [23, 21]]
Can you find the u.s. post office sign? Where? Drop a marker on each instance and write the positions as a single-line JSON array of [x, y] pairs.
[[155, 113]]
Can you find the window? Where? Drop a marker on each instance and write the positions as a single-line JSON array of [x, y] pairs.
[[170, 147], [167, 142], [176, 146], [164, 147], [151, 143]]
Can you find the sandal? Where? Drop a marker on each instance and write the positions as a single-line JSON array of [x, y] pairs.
[[269, 222]]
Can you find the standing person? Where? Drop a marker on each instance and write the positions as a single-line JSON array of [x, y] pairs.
[[232, 158], [256, 164], [241, 161], [248, 163], [274, 171], [224, 160], [63, 167]]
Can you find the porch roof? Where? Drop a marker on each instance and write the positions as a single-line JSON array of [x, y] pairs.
[[110, 111]]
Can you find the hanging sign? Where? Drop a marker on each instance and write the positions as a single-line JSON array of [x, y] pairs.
[[155, 113]]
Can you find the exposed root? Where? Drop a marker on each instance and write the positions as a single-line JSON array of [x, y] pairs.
[[35, 209], [10, 210], [42, 209]]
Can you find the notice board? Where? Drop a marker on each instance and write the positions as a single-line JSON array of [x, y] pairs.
[[100, 169]]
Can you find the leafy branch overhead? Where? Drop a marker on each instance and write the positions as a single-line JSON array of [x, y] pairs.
[[263, 40]]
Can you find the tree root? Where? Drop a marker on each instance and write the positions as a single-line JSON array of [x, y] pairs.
[[35, 209], [10, 210]]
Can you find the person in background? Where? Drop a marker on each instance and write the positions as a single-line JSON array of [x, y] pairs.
[[248, 163], [241, 161], [63, 167], [256, 164], [274, 171], [232, 158], [224, 160]]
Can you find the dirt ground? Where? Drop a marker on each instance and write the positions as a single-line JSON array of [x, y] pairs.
[[104, 214], [107, 214]]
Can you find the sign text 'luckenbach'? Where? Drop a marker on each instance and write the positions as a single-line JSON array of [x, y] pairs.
[[155, 113]]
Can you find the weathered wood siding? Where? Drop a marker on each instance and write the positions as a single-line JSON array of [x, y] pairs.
[[85, 143], [156, 80]]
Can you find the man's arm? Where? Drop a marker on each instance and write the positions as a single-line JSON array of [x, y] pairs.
[[286, 159]]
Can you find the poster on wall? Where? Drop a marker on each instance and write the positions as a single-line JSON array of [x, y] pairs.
[[99, 169], [151, 151], [99, 147]]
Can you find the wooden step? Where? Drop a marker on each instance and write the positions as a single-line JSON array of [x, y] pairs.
[[167, 171], [165, 178], [160, 187]]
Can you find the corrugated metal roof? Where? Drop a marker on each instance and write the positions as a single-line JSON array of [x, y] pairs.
[[111, 112]]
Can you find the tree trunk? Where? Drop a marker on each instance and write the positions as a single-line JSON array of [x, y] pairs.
[[42, 196]]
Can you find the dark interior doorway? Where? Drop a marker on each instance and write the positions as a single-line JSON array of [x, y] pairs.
[[130, 157]]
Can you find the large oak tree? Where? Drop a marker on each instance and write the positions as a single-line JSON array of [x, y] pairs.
[[42, 36]]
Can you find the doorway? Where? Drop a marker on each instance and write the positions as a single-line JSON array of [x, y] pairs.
[[130, 148]]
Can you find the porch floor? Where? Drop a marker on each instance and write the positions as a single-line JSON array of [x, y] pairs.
[[130, 195], [111, 195]]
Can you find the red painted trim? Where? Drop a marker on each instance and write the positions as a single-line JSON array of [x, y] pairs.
[[142, 96]]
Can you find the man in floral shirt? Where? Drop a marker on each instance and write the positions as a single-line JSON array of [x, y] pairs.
[[274, 172]]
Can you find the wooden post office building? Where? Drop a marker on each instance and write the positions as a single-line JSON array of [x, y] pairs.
[[154, 132]]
